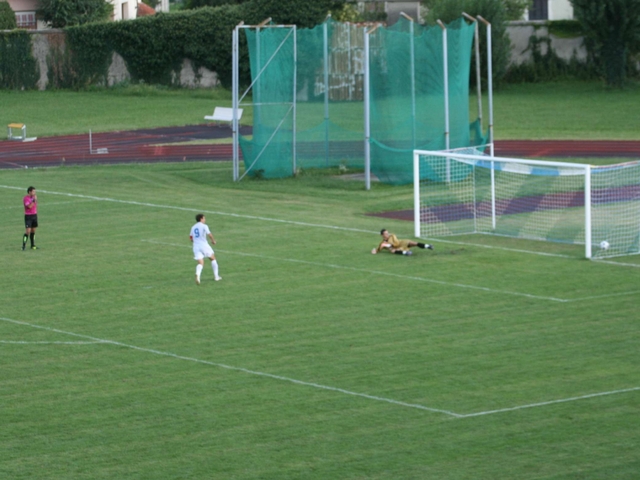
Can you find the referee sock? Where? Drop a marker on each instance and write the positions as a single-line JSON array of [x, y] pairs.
[[32, 236], [25, 237]]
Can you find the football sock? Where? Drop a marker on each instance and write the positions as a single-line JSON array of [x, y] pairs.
[[399, 252], [422, 245], [25, 237], [32, 237], [214, 265], [198, 270]]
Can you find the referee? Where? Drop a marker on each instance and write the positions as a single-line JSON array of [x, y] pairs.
[[30, 217]]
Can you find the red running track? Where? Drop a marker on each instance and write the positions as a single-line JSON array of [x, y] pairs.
[[154, 145]]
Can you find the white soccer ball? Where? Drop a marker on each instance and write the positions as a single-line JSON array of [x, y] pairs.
[[604, 245]]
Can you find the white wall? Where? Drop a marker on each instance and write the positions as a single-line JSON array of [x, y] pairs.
[[124, 9], [557, 10], [560, 10]]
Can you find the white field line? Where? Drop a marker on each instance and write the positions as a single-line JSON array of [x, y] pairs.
[[610, 262], [291, 222], [48, 204], [374, 272], [237, 369], [185, 209], [270, 219], [20, 342], [506, 249], [596, 297], [551, 402], [408, 277], [316, 385]]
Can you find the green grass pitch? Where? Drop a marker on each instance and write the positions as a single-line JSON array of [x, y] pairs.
[[488, 358]]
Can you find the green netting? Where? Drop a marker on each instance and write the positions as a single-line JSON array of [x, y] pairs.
[[406, 97]]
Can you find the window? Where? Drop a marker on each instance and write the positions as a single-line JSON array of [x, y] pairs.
[[26, 20], [539, 10]]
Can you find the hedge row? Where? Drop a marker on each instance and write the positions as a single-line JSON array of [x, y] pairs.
[[18, 68], [155, 47]]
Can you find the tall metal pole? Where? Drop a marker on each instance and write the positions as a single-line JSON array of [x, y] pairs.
[[325, 36], [476, 38], [413, 78], [413, 87], [445, 65], [489, 82], [234, 94], [295, 93], [367, 120]]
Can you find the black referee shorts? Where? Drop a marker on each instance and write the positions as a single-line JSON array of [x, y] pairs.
[[30, 221]]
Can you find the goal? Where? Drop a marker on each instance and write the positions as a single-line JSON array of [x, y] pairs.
[[464, 191]]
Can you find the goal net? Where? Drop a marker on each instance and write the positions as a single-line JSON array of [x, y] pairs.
[[463, 191]]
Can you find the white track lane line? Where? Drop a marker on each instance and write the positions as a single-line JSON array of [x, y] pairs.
[[374, 272], [237, 369]]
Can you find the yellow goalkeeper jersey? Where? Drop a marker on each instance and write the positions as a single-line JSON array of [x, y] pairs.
[[395, 243]]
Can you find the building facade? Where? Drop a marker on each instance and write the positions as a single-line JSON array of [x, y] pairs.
[[25, 11], [550, 10]]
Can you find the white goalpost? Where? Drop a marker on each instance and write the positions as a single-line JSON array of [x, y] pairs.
[[463, 191]]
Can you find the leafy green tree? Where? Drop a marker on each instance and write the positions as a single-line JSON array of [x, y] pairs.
[[192, 4], [494, 11], [514, 9], [7, 17], [347, 13], [66, 13], [614, 28], [303, 13]]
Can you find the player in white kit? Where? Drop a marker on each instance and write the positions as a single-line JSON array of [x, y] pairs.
[[201, 248]]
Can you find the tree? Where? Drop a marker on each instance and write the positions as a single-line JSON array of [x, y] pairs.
[[303, 13], [7, 17], [514, 9], [193, 4], [614, 28], [67, 13]]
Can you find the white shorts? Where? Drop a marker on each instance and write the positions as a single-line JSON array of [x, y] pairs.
[[202, 251]]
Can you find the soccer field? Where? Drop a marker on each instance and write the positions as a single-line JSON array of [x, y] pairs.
[[487, 358]]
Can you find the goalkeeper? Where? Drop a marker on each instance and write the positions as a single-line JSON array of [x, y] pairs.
[[400, 247]]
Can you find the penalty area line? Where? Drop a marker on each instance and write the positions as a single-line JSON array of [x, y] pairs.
[[377, 272], [237, 369], [95, 340], [551, 402]]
